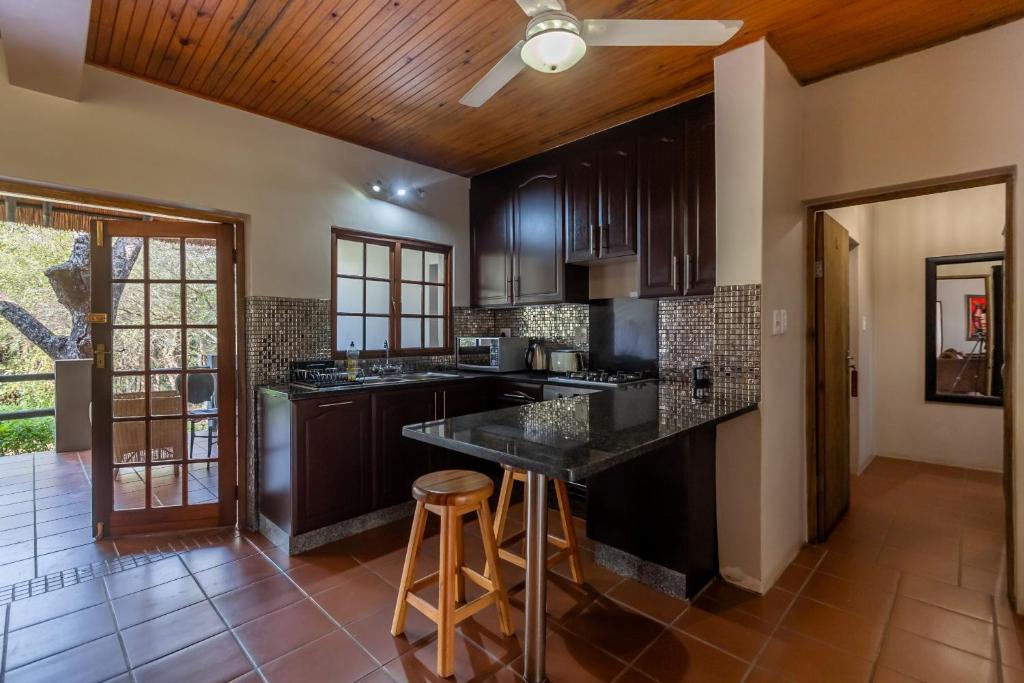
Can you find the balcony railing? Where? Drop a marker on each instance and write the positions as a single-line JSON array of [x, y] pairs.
[[35, 412]]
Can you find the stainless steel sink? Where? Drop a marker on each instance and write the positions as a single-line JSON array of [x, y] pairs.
[[385, 380], [431, 375]]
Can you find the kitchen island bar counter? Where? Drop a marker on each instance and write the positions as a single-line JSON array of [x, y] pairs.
[[576, 437]]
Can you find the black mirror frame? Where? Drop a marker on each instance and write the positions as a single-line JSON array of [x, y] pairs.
[[931, 265]]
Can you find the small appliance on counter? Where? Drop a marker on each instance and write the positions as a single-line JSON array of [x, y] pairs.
[[565, 361], [318, 374], [536, 356], [491, 354]]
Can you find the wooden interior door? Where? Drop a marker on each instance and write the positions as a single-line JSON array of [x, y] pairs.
[[163, 381], [832, 302]]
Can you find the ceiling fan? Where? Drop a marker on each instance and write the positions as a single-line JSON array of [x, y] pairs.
[[555, 40]]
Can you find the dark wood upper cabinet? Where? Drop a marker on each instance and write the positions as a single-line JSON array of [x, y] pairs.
[[699, 243], [332, 461], [660, 195], [581, 208], [491, 251], [617, 193]]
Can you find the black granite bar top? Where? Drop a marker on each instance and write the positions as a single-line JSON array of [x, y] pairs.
[[576, 437]]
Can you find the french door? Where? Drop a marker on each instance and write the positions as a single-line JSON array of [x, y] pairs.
[[163, 380]]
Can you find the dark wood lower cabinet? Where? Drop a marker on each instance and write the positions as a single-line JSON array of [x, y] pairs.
[[660, 507], [398, 461]]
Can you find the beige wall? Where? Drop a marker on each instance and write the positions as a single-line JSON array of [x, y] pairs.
[[952, 109], [128, 137], [907, 232]]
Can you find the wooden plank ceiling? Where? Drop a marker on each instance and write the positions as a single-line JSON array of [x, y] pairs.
[[387, 74]]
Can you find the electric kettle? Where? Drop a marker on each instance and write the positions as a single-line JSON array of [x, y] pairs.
[[536, 356]]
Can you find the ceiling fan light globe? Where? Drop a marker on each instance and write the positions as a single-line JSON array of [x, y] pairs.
[[553, 50]]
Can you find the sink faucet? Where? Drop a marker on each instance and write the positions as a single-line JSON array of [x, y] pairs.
[[387, 368]]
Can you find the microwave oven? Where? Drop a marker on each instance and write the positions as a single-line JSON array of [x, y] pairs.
[[491, 354]]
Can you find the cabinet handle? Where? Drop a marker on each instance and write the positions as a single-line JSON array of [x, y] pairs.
[[675, 270], [591, 233], [508, 289], [689, 270], [602, 240], [518, 291], [331, 405], [444, 404], [519, 395], [435, 405]]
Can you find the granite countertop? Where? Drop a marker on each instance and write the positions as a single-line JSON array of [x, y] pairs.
[[295, 393], [576, 437]]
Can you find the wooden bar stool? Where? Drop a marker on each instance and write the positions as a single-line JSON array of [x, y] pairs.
[[450, 494], [567, 547]]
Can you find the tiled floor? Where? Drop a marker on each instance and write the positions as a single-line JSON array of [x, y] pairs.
[[902, 592]]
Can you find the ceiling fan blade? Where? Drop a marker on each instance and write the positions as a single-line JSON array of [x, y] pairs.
[[494, 80], [640, 32], [535, 7]]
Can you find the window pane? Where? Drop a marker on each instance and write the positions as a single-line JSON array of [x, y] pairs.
[[202, 443], [412, 264], [165, 394], [202, 348], [412, 298], [434, 267], [129, 308], [350, 329], [202, 477], [350, 295], [350, 257], [201, 304], [412, 335], [201, 259], [435, 300], [378, 261], [166, 440], [164, 259], [164, 349], [129, 349], [378, 295], [376, 333], [435, 332], [164, 304]]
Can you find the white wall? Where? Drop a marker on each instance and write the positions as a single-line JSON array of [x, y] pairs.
[[128, 137], [858, 222], [952, 109], [906, 232]]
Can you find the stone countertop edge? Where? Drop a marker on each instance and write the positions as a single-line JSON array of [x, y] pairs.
[[543, 465]]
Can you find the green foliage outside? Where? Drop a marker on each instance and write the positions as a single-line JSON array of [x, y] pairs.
[[25, 253]]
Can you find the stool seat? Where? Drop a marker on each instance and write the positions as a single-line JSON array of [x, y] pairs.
[[452, 488]]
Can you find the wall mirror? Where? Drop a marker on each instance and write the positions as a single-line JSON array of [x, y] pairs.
[[964, 328]]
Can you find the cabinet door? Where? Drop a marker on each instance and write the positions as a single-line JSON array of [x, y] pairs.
[[699, 248], [539, 261], [617, 219], [332, 463], [455, 400], [581, 191], [492, 247], [659, 166], [397, 460]]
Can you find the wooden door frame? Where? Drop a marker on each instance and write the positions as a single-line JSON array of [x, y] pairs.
[[1005, 176], [104, 200]]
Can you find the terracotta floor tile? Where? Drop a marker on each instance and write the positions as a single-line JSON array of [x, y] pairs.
[[860, 599], [738, 633], [597, 577], [792, 580], [214, 660], [257, 599], [63, 512], [146, 576], [842, 630], [56, 635], [565, 598], [361, 595], [1011, 675], [1011, 646], [280, 632], [768, 607], [647, 600], [928, 660], [484, 629], [159, 637], [204, 558], [157, 601], [92, 662], [319, 574], [64, 540], [982, 581], [39, 608], [883, 578], [885, 675], [227, 577], [570, 658], [17, 552], [471, 664], [933, 592], [632, 675], [23, 520], [75, 557], [19, 538], [802, 660], [615, 629], [675, 656], [17, 571], [943, 566], [334, 658], [374, 634], [809, 556], [64, 524]]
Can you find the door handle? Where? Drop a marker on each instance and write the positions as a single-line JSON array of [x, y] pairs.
[[99, 356], [444, 403]]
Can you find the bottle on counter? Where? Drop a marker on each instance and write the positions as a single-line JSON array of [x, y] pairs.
[[352, 361]]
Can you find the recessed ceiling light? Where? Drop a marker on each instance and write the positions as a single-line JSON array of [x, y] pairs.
[[376, 187], [401, 192]]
